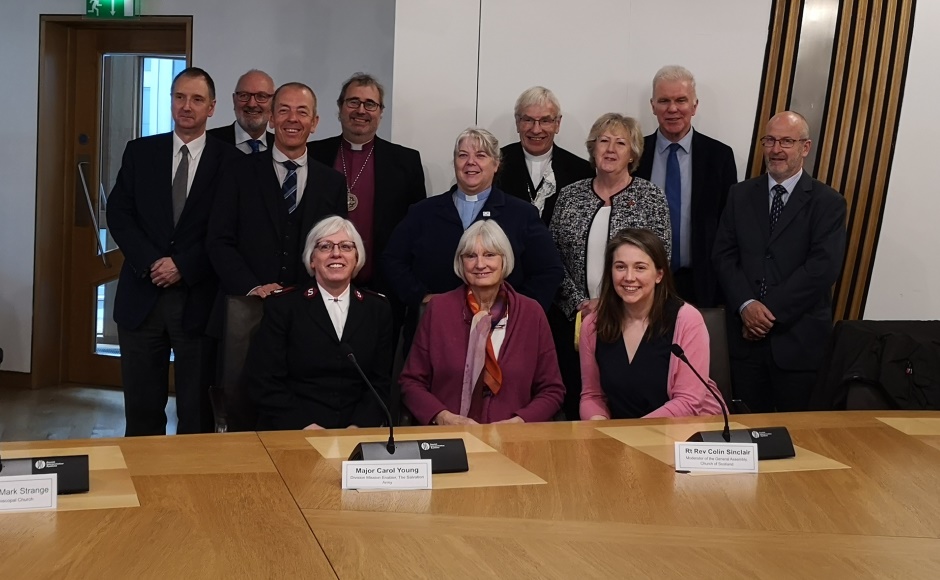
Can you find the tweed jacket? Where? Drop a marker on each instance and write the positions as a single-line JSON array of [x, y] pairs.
[[640, 205]]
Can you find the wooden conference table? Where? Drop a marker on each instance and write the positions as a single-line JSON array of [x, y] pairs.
[[559, 500]]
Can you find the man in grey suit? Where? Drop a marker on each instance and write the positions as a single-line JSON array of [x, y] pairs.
[[779, 250], [695, 171], [252, 103]]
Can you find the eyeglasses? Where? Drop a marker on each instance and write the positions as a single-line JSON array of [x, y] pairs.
[[244, 96], [370, 105], [785, 142], [528, 122], [327, 247]]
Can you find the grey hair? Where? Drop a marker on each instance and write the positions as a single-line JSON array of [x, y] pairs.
[[492, 238], [536, 96], [483, 139], [365, 80], [617, 121], [327, 227], [674, 72]]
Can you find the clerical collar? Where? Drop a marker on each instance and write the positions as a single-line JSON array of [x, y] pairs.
[[538, 158], [348, 145], [482, 196]]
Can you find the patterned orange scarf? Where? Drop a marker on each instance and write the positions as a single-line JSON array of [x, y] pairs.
[[481, 331]]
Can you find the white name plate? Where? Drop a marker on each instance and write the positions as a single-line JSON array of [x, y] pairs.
[[726, 457], [397, 474], [28, 492]]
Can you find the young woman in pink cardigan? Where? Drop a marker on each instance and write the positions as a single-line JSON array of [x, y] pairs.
[[627, 367]]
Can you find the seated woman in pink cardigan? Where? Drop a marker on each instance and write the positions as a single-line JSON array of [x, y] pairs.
[[482, 353], [627, 367]]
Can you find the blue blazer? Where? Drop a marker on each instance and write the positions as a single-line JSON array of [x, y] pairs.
[[419, 257]]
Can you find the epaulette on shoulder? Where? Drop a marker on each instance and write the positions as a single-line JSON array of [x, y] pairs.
[[282, 291], [361, 292]]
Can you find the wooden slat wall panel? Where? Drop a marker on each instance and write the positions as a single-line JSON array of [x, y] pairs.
[[856, 142], [783, 38]]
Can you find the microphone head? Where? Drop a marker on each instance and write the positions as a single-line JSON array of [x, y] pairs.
[[347, 351], [677, 350]]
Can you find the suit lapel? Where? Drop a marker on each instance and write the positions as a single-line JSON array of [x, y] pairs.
[[760, 206], [492, 206], [355, 315], [798, 198], [205, 172], [270, 190], [384, 167], [163, 175], [317, 311]]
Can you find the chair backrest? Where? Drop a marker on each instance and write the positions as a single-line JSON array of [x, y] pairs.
[[242, 318], [720, 361]]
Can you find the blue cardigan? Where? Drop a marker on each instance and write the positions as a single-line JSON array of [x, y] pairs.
[[419, 257]]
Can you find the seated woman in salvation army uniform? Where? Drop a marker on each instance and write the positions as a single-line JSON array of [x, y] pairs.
[[298, 375]]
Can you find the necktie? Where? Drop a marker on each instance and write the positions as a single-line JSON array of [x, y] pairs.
[[255, 145], [180, 184], [674, 197], [289, 189], [776, 208]]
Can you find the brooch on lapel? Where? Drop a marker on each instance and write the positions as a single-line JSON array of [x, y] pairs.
[[311, 292]]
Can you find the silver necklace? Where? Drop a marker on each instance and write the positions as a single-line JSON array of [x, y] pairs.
[[352, 202]]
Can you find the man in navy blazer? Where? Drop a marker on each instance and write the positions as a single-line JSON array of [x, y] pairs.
[[705, 171], [257, 232], [252, 103], [779, 249], [534, 169], [158, 213]]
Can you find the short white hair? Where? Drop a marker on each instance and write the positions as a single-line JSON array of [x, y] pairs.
[[674, 72], [492, 238], [327, 227], [482, 139], [536, 96]]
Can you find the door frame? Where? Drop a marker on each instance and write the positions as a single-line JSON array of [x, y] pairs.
[[56, 183]]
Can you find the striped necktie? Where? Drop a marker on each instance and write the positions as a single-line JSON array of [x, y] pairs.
[[289, 189]]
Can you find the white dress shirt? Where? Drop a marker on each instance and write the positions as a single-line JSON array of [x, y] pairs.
[[242, 138], [337, 307], [196, 147]]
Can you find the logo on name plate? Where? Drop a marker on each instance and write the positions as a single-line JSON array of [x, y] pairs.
[[40, 464], [755, 434], [425, 446]]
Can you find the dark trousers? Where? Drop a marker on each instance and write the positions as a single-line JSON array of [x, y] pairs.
[[685, 285], [569, 362], [145, 367], [765, 387]]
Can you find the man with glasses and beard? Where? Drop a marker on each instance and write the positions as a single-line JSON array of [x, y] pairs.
[[252, 103], [383, 179]]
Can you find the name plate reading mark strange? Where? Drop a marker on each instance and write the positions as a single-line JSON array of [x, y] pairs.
[[28, 492], [395, 474], [724, 457]]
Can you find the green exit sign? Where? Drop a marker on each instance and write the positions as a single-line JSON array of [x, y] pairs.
[[112, 8]]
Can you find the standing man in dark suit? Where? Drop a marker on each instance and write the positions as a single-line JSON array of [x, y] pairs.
[[383, 179], [252, 103], [534, 169], [158, 212], [695, 171], [268, 202], [779, 250]]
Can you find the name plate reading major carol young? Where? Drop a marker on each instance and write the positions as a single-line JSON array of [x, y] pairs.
[[28, 492], [395, 474], [725, 457]]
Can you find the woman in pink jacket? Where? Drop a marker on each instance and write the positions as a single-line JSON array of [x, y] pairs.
[[627, 367], [483, 353]]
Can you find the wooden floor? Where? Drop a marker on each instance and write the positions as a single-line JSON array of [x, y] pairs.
[[66, 412]]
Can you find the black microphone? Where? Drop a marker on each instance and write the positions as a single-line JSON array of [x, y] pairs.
[[348, 352], [772, 442], [446, 455], [680, 354]]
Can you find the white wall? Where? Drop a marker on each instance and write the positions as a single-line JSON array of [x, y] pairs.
[[905, 283], [596, 55], [319, 42]]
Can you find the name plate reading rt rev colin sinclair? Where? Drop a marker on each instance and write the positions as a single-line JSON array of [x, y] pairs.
[[725, 457], [395, 474], [28, 492]]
